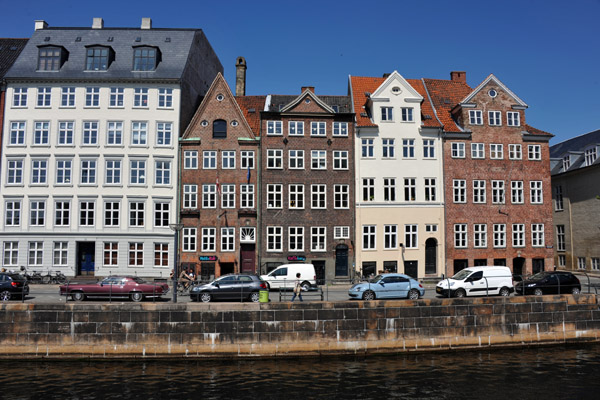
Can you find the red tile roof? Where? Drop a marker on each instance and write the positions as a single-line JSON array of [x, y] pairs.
[[445, 95], [427, 113], [248, 103], [534, 131]]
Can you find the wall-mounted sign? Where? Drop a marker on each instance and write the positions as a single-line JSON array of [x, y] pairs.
[[296, 258], [207, 258]]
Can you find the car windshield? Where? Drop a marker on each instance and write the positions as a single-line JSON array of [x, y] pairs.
[[138, 280], [375, 279], [461, 275], [538, 276]]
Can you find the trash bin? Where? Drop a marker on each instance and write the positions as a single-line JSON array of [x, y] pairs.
[[263, 296]]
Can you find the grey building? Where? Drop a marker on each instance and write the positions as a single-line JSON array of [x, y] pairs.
[[575, 168]]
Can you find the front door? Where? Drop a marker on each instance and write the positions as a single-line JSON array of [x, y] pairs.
[[247, 255], [86, 252], [320, 271], [411, 268], [518, 264], [341, 260], [430, 256]]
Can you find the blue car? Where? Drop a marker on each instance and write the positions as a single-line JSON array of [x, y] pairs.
[[388, 286]]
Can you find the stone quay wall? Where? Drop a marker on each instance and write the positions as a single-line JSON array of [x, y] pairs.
[[192, 330]]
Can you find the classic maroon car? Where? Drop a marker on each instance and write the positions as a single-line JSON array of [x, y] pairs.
[[115, 287]]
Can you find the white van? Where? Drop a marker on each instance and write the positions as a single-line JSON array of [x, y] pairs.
[[478, 281], [284, 276]]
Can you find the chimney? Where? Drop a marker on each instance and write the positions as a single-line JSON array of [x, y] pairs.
[[240, 76], [458, 76], [40, 24], [98, 23], [311, 88], [386, 75], [146, 23]]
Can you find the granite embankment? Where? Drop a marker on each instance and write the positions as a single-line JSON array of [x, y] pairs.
[[148, 330]]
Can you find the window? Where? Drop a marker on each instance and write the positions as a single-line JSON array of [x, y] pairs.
[[295, 128], [62, 211], [318, 238], [137, 213], [136, 254], [390, 237], [459, 187], [274, 159], [407, 114], [513, 118], [319, 196], [11, 253], [37, 213], [516, 192], [475, 117], [228, 159], [318, 159], [460, 236], [162, 172], [296, 196], [431, 228], [480, 235], [387, 114], [317, 129], [560, 238], [165, 98], [13, 213], [479, 192], [340, 159], [87, 213], [20, 97], [495, 118], [139, 133], [558, 200], [219, 129], [209, 159], [189, 239], [144, 59], [537, 235], [67, 98], [140, 97], [209, 239], [515, 152], [496, 152], [65, 133], [388, 148], [114, 133], [190, 159], [389, 189], [498, 196], [341, 196], [499, 235], [581, 262], [90, 133], [340, 129], [247, 159], [112, 211], [190, 196], [49, 58], [164, 133], [274, 128], [98, 58], [296, 238], [17, 133], [63, 171], [368, 189], [116, 97], [36, 254], [60, 254], [477, 150], [458, 150], [88, 172], [410, 189], [590, 156], [410, 236], [247, 196], [111, 254], [534, 151], [428, 148], [14, 173], [341, 232], [227, 196], [92, 96], [535, 193], [296, 159], [209, 196], [369, 237], [274, 238], [367, 148], [408, 148], [518, 235], [227, 239], [44, 97], [566, 161], [137, 172], [430, 189], [274, 196], [595, 263]]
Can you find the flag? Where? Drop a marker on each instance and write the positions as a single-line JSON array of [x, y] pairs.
[[248, 175], [218, 186]]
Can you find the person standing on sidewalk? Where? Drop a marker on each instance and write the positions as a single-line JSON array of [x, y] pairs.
[[297, 288]]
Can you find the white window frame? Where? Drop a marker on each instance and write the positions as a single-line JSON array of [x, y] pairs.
[[318, 196], [296, 128], [479, 191], [228, 159], [534, 152], [480, 236], [274, 196], [341, 196], [515, 151], [274, 238], [140, 98], [459, 188], [190, 159], [66, 133], [296, 196], [499, 235], [190, 196], [537, 235], [190, 239], [340, 129], [516, 192], [228, 196], [388, 147], [209, 239], [390, 237], [246, 159], [369, 237], [139, 133], [164, 134], [407, 114], [518, 235], [458, 149], [90, 133], [460, 236], [475, 117], [495, 118], [318, 128], [536, 194], [318, 238], [19, 97], [498, 192], [387, 114], [227, 239], [513, 118], [496, 151], [274, 128], [92, 97], [318, 159], [116, 99], [247, 196], [137, 172], [367, 148], [478, 151], [209, 159], [274, 159], [428, 148], [296, 238]]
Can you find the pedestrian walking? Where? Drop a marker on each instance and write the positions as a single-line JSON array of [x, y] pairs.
[[297, 288]]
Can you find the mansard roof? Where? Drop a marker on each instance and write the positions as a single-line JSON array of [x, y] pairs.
[[278, 103], [9, 51]]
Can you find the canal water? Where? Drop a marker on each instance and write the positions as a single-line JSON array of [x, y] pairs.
[[535, 373]]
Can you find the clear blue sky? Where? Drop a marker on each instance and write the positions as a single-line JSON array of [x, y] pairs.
[[546, 52]]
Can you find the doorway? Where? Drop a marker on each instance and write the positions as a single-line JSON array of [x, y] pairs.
[[341, 260], [430, 256], [319, 271], [518, 264], [537, 265], [86, 254], [248, 256], [411, 268]]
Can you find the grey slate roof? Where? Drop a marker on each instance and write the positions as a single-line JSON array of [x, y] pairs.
[[9, 51], [344, 103], [578, 143], [174, 45]]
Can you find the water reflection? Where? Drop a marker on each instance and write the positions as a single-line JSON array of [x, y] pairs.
[[569, 372]]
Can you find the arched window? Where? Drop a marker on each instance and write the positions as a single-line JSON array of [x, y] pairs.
[[220, 128]]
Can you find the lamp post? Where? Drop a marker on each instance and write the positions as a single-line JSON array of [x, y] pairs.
[[176, 228]]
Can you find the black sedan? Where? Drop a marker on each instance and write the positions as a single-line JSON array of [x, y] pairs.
[[549, 282], [12, 285], [238, 287]]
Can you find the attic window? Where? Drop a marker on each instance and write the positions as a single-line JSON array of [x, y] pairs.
[[138, 39], [51, 58], [110, 38], [145, 58], [251, 110], [168, 40], [396, 90], [492, 93], [335, 108], [78, 39], [220, 97], [98, 58], [47, 39], [219, 129]]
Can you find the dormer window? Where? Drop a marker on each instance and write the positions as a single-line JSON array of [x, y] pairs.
[[51, 58], [98, 58], [145, 58]]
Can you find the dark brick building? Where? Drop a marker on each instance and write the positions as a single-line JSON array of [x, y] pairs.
[[307, 181]]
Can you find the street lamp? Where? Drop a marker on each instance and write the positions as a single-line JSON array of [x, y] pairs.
[[175, 228]]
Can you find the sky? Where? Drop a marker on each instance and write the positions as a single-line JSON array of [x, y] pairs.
[[546, 52]]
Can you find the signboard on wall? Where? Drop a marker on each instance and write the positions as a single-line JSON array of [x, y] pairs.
[[208, 258], [296, 258]]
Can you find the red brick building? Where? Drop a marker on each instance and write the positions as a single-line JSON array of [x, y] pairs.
[[496, 178]]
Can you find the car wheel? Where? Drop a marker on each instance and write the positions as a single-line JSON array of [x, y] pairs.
[[136, 296], [575, 291], [460, 293], [305, 286], [254, 297], [5, 295], [78, 296], [205, 297], [538, 292], [413, 294], [369, 295], [504, 292]]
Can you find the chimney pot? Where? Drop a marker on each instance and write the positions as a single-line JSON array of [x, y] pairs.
[[146, 23], [458, 76], [40, 24], [240, 76], [98, 23], [311, 88], [386, 75]]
